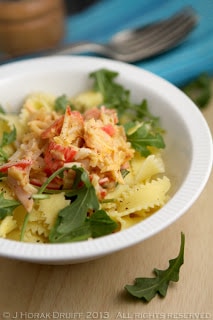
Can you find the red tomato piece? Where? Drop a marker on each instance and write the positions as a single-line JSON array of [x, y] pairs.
[[109, 129]]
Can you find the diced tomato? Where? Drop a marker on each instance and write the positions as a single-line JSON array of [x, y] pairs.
[[57, 155], [22, 164], [54, 129], [109, 129]]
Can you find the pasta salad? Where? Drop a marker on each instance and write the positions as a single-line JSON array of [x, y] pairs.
[[81, 167]]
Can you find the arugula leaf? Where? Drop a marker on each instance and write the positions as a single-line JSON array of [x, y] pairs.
[[98, 225], [80, 233], [142, 136], [7, 206], [147, 288], [199, 90], [61, 103], [74, 215], [101, 224], [117, 97], [7, 138], [72, 223], [2, 109]]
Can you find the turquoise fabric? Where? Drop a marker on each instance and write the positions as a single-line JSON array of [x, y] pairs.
[[181, 64]]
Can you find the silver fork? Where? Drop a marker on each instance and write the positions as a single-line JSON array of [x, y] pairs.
[[132, 45]]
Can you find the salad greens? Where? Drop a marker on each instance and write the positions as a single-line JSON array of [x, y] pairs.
[[73, 222], [199, 90], [7, 138], [7, 206], [82, 218], [61, 103], [148, 132], [143, 137], [147, 288]]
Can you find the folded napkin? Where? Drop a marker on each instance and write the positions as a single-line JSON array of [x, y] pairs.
[[195, 54]]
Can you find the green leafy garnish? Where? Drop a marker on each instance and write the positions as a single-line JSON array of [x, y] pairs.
[[2, 109], [147, 288], [101, 224], [143, 137], [61, 103], [199, 90], [7, 138], [117, 97], [97, 225], [7, 206], [73, 222]]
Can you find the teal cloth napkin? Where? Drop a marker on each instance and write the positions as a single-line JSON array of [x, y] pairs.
[[179, 65]]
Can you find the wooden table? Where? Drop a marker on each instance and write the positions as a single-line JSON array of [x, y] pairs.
[[95, 290]]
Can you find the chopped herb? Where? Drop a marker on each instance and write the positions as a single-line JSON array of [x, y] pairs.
[[124, 172], [147, 288]]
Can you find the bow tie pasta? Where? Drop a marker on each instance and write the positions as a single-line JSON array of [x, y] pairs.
[[72, 169]]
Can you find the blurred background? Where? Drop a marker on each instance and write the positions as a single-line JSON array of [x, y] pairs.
[[27, 26], [74, 6]]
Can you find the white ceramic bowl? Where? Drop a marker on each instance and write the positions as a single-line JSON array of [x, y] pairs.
[[188, 154]]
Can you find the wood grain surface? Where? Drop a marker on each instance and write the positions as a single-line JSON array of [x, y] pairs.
[[95, 290]]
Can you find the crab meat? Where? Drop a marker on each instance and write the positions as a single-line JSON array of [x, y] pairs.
[[57, 155]]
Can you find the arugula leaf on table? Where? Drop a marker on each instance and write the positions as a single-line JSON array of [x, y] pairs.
[[142, 137], [147, 288], [7, 206], [7, 138], [117, 97], [199, 90]]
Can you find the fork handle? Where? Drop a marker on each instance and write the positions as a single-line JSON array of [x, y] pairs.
[[77, 47]]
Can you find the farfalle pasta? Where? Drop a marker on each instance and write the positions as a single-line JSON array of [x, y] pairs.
[[74, 172]]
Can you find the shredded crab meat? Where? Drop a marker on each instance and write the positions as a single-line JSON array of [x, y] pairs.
[[51, 140]]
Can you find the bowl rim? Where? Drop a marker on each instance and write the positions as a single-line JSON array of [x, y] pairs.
[[193, 185]]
